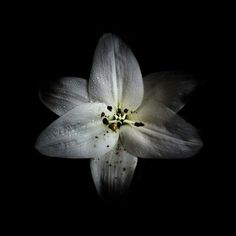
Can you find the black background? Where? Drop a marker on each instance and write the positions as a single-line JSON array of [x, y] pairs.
[[56, 41]]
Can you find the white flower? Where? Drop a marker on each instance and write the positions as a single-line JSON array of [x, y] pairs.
[[118, 116]]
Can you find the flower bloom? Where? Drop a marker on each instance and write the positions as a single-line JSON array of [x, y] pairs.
[[117, 116]]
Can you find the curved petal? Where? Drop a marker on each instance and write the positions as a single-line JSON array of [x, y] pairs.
[[79, 133], [115, 76], [113, 172], [65, 94], [169, 88], [164, 134]]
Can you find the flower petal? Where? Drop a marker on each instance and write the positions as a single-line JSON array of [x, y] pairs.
[[65, 94], [169, 88], [79, 133], [113, 172], [164, 134], [115, 76]]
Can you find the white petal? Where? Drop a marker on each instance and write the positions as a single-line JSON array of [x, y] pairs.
[[65, 94], [169, 88], [164, 135], [115, 76], [79, 133], [113, 172]]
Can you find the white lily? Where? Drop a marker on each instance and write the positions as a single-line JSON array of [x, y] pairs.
[[118, 116]]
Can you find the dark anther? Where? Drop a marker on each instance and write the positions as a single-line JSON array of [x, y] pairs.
[[138, 124], [102, 114], [119, 111], [109, 108], [107, 145], [126, 110], [119, 124], [105, 121]]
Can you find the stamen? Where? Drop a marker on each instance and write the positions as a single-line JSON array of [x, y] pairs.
[[109, 108], [123, 117], [102, 114], [128, 122], [138, 124], [112, 121], [126, 110], [105, 121]]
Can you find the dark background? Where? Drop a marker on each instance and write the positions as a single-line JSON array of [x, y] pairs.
[[56, 42]]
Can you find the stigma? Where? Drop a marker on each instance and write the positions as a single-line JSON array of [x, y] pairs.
[[120, 117]]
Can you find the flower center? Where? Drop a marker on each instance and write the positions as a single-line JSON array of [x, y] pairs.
[[121, 117]]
